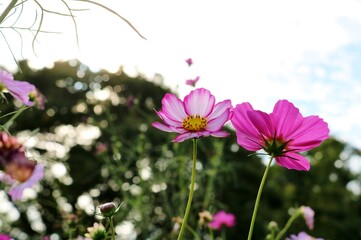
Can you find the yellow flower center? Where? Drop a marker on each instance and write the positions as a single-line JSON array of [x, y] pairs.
[[194, 123]]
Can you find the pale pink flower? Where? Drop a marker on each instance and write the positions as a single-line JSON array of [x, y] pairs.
[[18, 89], [222, 218], [19, 177], [192, 82], [189, 61], [17, 188], [308, 215], [18, 171], [302, 236], [282, 134], [194, 117]]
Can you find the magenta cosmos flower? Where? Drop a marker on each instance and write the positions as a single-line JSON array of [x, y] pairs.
[[192, 82], [4, 237], [222, 218], [197, 116], [18, 89], [189, 61], [282, 134]]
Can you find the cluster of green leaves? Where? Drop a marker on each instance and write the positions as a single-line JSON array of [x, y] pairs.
[[140, 167]]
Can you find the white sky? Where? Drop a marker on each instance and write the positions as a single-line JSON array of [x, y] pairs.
[[307, 51]]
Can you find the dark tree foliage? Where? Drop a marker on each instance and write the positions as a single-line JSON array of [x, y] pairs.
[[140, 166]]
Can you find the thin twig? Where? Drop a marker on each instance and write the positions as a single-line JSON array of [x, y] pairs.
[[7, 10], [11, 51], [74, 22], [39, 26], [115, 13]]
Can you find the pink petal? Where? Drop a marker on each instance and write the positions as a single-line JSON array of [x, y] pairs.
[[220, 115], [262, 122], [286, 118], [294, 161], [18, 89], [308, 215], [5, 237], [220, 134], [169, 121], [312, 132], [220, 109], [21, 90], [189, 135], [173, 107], [165, 128], [222, 218], [247, 134], [199, 101]]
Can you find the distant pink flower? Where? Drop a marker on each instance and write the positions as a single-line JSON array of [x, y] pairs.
[[302, 236], [308, 215], [18, 89], [222, 218], [16, 190], [4, 237], [192, 82], [189, 61], [282, 134], [18, 171], [130, 101], [101, 148], [197, 116]]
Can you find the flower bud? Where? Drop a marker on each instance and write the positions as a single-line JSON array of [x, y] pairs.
[[107, 208]]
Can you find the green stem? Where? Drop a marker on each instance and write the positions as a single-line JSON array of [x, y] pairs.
[[211, 233], [191, 190], [288, 224], [195, 235], [7, 10], [258, 199], [223, 234], [112, 227], [12, 119]]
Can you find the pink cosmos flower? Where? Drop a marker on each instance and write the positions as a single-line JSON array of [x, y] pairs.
[[302, 236], [282, 134], [101, 148], [192, 82], [4, 237], [21, 177], [189, 61], [18, 89], [194, 117], [308, 215], [17, 188], [18, 171], [222, 218]]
